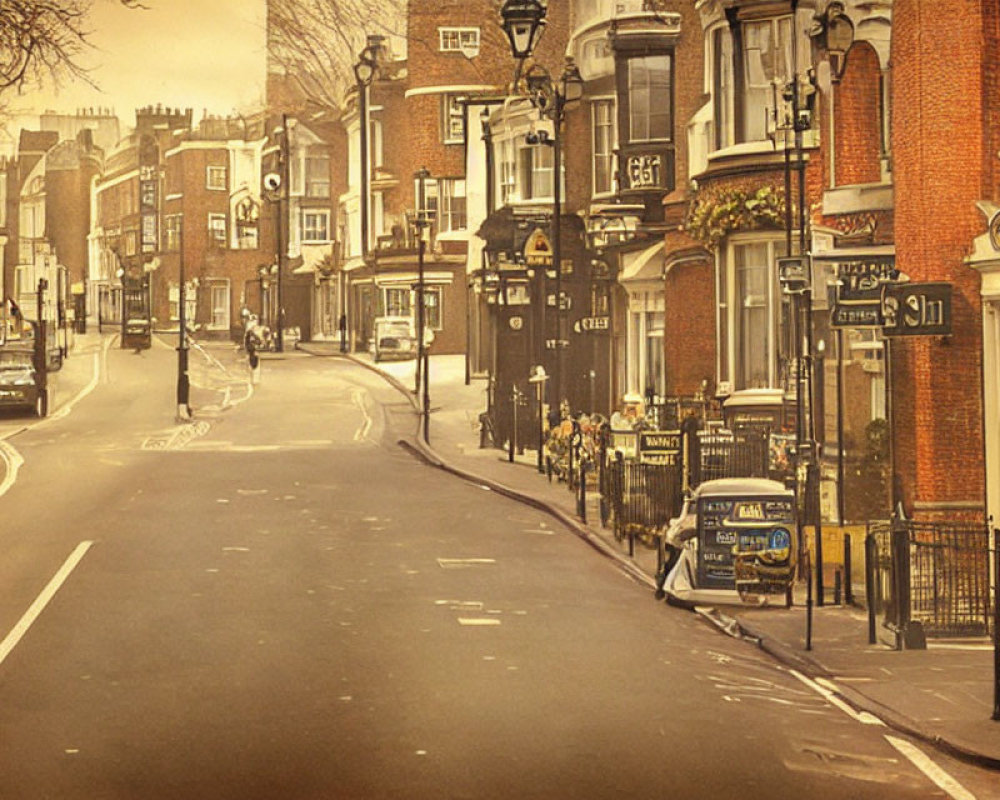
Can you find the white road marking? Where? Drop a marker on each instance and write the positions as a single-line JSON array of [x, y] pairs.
[[478, 621], [12, 461], [826, 689], [357, 397], [17, 632], [462, 563], [942, 779]]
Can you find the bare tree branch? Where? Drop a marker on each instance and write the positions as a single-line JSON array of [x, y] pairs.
[[42, 40], [316, 42]]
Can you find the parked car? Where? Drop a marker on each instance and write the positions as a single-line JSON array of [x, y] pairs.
[[394, 338], [18, 380]]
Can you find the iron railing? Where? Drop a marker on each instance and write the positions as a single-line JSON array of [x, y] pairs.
[[928, 578]]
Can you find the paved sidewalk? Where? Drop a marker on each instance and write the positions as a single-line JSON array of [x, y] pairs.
[[942, 695]]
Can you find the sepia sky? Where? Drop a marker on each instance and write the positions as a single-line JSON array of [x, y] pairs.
[[199, 54]]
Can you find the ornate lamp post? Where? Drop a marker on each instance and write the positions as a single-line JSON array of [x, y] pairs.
[[423, 366], [364, 74], [550, 98], [523, 21]]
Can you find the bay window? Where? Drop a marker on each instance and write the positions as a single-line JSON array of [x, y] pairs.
[[750, 68], [649, 98], [603, 115], [749, 304]]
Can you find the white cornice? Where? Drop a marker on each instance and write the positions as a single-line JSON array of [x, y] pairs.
[[450, 89]]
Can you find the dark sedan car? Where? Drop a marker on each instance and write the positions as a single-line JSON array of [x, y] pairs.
[[18, 382]]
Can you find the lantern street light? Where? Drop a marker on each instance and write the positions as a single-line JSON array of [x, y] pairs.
[[835, 34], [523, 21], [364, 74]]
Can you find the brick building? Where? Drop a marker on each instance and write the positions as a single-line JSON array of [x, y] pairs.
[[939, 102]]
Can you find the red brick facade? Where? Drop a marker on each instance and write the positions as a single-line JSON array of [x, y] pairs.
[[944, 157]]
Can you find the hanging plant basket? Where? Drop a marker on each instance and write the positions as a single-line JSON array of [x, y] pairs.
[[713, 215]]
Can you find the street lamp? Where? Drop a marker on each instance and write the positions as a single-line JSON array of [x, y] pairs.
[[550, 98], [835, 33], [183, 379], [423, 363], [523, 21], [364, 74]]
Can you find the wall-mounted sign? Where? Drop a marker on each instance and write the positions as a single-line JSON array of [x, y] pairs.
[[516, 323], [645, 167], [859, 291], [916, 309], [592, 324], [556, 344], [644, 171], [660, 447], [538, 249], [565, 301]]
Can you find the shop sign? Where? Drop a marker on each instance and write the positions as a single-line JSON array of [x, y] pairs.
[[660, 447], [538, 249], [592, 324], [859, 288], [556, 344], [916, 309]]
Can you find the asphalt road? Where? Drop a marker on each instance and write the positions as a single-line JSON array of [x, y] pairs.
[[281, 602]]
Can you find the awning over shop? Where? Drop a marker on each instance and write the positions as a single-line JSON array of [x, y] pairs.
[[644, 265]]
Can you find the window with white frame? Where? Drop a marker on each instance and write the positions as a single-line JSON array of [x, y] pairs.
[[190, 301], [247, 219], [316, 225], [748, 311], [650, 96], [603, 116], [508, 170], [426, 198], [459, 40], [452, 118], [749, 73], [452, 213], [219, 297], [318, 175], [217, 230], [397, 301], [172, 232], [215, 178], [535, 167]]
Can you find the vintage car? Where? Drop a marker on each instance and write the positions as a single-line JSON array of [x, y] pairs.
[[394, 338], [18, 383]]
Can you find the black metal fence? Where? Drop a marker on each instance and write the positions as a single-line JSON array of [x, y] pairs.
[[643, 497], [928, 578]]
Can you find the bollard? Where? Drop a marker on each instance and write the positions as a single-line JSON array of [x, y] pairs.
[[848, 572], [996, 624], [871, 562], [581, 506], [837, 578], [809, 600]]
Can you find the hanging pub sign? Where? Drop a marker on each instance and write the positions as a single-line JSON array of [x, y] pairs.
[[538, 249], [859, 290], [916, 309]]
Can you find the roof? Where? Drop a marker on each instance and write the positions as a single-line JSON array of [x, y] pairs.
[[731, 487]]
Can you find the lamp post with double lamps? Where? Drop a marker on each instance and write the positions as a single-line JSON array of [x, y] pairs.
[[523, 21], [550, 98]]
